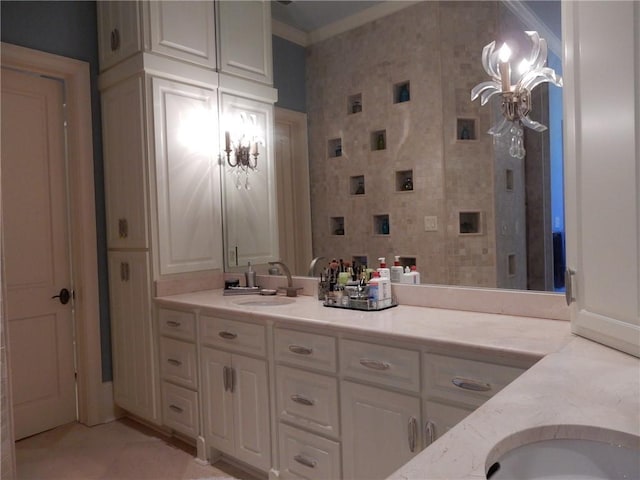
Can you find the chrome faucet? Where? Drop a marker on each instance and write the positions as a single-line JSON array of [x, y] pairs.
[[312, 266], [290, 289]]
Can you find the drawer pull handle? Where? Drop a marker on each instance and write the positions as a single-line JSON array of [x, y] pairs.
[[300, 350], [174, 362], [413, 434], [374, 364], [468, 384], [173, 323], [430, 431], [302, 400], [176, 408], [228, 335], [307, 462]]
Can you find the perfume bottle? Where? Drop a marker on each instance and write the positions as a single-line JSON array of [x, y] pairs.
[[407, 186]]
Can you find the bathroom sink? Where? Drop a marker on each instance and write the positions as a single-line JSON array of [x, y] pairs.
[[568, 459], [265, 302]]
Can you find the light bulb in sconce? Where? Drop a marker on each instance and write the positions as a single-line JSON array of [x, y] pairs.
[[516, 98], [242, 140]]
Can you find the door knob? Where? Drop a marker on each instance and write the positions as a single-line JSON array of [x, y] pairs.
[[64, 296]]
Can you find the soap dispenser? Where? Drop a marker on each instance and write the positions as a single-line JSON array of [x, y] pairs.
[[396, 271], [383, 270], [250, 277]]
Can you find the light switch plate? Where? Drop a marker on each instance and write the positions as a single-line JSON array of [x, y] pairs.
[[430, 224]]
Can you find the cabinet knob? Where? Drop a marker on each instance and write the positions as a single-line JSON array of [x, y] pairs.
[[300, 350], [174, 362], [374, 364], [430, 431], [307, 462], [124, 271], [302, 400], [123, 228], [176, 408], [473, 385], [173, 323], [228, 335], [115, 39], [413, 434]]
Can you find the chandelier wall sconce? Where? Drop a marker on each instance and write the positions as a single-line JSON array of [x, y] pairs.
[[243, 141], [516, 98]]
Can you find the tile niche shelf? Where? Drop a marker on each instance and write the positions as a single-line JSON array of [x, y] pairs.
[[466, 129], [334, 148], [404, 181], [381, 224], [378, 140], [402, 92], [359, 260], [354, 104], [356, 185], [336, 226], [470, 223]]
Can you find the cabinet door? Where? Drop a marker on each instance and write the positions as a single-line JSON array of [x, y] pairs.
[[132, 339], [251, 412], [118, 31], [602, 132], [187, 177], [381, 431], [439, 418], [245, 39], [217, 403], [251, 217], [123, 127], [184, 30]]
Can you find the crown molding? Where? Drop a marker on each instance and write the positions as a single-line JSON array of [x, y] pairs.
[[289, 33]]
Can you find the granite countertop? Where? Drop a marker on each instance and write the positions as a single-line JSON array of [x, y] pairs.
[[579, 389], [507, 334]]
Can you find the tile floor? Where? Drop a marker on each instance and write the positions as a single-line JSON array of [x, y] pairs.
[[120, 450]]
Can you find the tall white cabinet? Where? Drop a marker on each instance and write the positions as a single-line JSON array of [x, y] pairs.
[[602, 131], [161, 84]]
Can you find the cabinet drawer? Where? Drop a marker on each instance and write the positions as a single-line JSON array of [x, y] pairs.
[[230, 334], [178, 362], [389, 366], [304, 455], [180, 409], [306, 349], [308, 399], [468, 381], [177, 324]]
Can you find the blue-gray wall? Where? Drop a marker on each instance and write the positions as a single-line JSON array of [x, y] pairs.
[[69, 29], [289, 64]]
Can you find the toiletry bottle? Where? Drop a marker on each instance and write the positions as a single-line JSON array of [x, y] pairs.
[[250, 277], [374, 289], [383, 270], [414, 275], [396, 271], [406, 276]]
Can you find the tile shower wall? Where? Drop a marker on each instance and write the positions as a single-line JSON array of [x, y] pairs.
[[435, 48]]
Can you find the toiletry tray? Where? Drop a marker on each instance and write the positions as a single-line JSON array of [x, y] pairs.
[[359, 304]]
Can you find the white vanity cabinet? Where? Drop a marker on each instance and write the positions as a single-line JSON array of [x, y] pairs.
[[244, 36], [135, 388], [184, 30], [453, 387], [179, 371], [235, 396], [380, 426], [307, 403]]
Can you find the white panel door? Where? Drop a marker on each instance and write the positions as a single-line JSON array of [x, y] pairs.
[[125, 152], [251, 412], [36, 252], [135, 383], [245, 39], [184, 30], [217, 403], [602, 131], [251, 216], [380, 431], [188, 177]]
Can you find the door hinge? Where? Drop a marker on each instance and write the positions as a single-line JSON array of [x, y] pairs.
[[568, 285]]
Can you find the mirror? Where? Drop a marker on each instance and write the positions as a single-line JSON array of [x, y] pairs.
[[399, 159]]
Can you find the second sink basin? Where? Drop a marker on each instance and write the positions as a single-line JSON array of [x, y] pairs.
[[265, 302]]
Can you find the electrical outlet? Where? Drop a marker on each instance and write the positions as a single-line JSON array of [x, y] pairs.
[[430, 224]]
